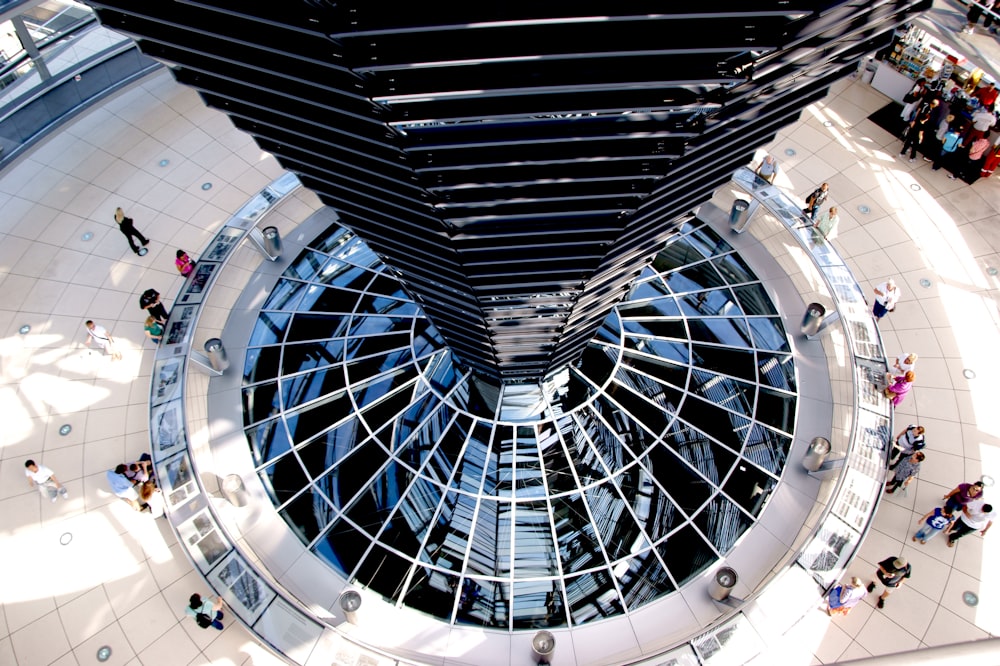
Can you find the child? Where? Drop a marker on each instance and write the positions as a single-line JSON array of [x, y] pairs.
[[934, 522]]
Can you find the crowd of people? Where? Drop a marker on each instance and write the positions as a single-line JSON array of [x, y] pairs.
[[135, 484]]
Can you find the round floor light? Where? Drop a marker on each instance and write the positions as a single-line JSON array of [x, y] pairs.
[[24, 330], [206, 186], [87, 235], [864, 210], [969, 373], [104, 653], [790, 152], [970, 598], [65, 429], [65, 538], [164, 162]]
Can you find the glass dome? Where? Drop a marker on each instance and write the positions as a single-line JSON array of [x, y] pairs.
[[515, 507]]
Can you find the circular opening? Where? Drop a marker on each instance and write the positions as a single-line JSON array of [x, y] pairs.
[[544, 642], [970, 598], [726, 577], [350, 601], [24, 330], [87, 235], [65, 538], [103, 653], [164, 162], [206, 186], [65, 429]]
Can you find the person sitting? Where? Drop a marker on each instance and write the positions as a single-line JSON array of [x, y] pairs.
[[141, 470], [123, 487], [184, 263], [843, 598], [206, 613]]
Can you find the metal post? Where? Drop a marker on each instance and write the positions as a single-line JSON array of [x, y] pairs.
[[28, 43]]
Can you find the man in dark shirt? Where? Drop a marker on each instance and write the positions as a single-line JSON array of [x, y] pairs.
[[815, 200], [892, 571], [150, 302]]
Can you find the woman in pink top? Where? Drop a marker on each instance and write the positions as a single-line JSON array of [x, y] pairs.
[[900, 386], [184, 263]]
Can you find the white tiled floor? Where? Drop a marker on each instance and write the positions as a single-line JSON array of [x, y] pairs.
[[122, 580]]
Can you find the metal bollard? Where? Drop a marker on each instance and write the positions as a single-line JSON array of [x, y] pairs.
[[813, 319], [819, 449], [272, 242], [738, 216], [350, 602], [543, 644], [234, 491], [723, 583], [216, 354]]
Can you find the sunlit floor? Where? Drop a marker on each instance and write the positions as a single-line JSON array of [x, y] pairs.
[[120, 579]]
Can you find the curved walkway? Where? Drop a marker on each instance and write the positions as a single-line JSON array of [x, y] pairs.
[[122, 581]]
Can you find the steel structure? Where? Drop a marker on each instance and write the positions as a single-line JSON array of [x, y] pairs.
[[516, 164]]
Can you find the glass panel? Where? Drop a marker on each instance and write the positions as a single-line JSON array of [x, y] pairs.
[[642, 579], [328, 449], [469, 474], [592, 596], [432, 592], [269, 329], [260, 364], [576, 535], [500, 464], [307, 326], [723, 523], [694, 278], [388, 306], [307, 515], [285, 296], [449, 537], [310, 355], [776, 370], [657, 328], [342, 547], [716, 303], [651, 289], [333, 237], [749, 487], [625, 431], [674, 351], [538, 604], [379, 497], [283, 478], [616, 527], [444, 453], [534, 551], [268, 441], [658, 307], [720, 330], [734, 269], [686, 554], [307, 266], [260, 402], [656, 514], [309, 386], [688, 490], [489, 554], [306, 423], [734, 362], [384, 572], [776, 409], [484, 603], [407, 527], [768, 333], [754, 300], [354, 473], [528, 465], [767, 449], [725, 391]]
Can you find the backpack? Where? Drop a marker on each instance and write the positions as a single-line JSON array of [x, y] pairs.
[[203, 620]]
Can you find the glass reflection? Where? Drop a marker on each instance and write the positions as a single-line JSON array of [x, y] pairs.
[[389, 462]]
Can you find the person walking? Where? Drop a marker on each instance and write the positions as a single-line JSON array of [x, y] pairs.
[[150, 302], [826, 224], [815, 200], [962, 495], [206, 613], [100, 335], [971, 519], [905, 472], [768, 168], [933, 523], [891, 572], [842, 598], [43, 478], [126, 226], [886, 296]]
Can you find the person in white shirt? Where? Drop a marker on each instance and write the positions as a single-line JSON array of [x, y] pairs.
[[43, 478], [100, 336], [886, 296], [974, 517], [905, 362]]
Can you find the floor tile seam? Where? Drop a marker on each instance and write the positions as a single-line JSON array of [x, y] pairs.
[[55, 610], [113, 621]]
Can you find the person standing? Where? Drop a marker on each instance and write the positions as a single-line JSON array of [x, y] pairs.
[[983, 121], [969, 171], [205, 612], [827, 223], [950, 141], [154, 329], [971, 519], [933, 523], [899, 387], [815, 200], [43, 478], [907, 442], [987, 95], [913, 136], [123, 487], [126, 226], [906, 471], [103, 339], [962, 495], [886, 296], [150, 302], [891, 572], [990, 161], [843, 598], [768, 168]]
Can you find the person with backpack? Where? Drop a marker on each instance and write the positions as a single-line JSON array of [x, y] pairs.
[[907, 442], [205, 612]]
